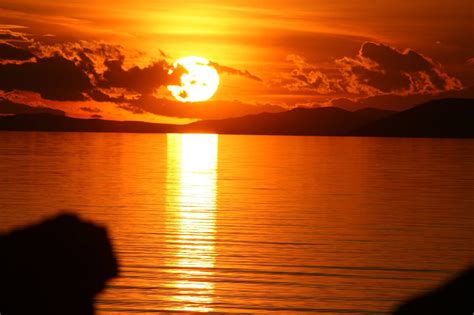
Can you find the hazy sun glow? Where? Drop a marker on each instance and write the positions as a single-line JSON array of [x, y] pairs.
[[198, 83]]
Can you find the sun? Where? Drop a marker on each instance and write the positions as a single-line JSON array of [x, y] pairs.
[[199, 82]]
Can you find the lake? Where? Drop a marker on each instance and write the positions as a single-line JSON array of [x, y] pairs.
[[254, 224]]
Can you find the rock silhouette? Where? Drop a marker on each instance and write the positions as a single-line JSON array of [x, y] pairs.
[[55, 267], [454, 297]]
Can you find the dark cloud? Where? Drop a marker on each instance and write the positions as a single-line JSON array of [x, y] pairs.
[[143, 80], [84, 52], [9, 52], [132, 108], [78, 72], [307, 76], [95, 116], [382, 69], [8, 35], [91, 109], [376, 70], [97, 71], [85, 71], [99, 96], [114, 67], [9, 107], [229, 70], [54, 78]]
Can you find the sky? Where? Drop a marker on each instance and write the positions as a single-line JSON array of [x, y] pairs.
[[111, 59]]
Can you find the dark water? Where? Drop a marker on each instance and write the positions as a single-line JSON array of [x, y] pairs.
[[254, 224]]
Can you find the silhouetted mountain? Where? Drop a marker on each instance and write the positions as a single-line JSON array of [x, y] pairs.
[[399, 102], [55, 268], [440, 118], [445, 118], [46, 122], [9, 107], [328, 121]]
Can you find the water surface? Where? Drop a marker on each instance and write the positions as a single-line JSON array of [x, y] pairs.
[[254, 224]]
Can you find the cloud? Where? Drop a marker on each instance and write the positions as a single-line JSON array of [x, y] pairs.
[[104, 74], [229, 70], [133, 109], [90, 57], [54, 78], [101, 95], [98, 72], [10, 36], [81, 71], [379, 69], [112, 66], [307, 76], [9, 52], [10, 33], [91, 109], [142, 80], [9, 107]]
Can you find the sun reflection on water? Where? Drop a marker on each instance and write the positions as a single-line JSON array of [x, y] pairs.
[[190, 218]]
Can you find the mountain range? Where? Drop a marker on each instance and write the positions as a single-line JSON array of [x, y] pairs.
[[438, 118]]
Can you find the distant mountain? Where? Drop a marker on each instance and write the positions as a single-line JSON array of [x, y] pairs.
[[48, 122], [400, 102], [8, 107], [444, 118], [328, 121], [440, 118]]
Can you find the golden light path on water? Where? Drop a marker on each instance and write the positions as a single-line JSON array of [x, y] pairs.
[[191, 218]]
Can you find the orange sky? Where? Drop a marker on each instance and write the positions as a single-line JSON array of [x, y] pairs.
[[305, 52]]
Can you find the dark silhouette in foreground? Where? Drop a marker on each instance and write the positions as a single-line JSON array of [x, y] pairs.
[[454, 297], [56, 267]]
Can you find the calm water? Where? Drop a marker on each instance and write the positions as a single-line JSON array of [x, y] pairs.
[[254, 224]]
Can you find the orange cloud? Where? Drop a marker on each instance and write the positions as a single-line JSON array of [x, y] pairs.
[[229, 70], [53, 78], [377, 69], [97, 72], [110, 75], [9, 53]]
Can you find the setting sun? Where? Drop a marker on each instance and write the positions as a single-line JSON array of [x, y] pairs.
[[199, 82], [236, 157]]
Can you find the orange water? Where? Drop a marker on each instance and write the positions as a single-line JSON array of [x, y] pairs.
[[254, 224]]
